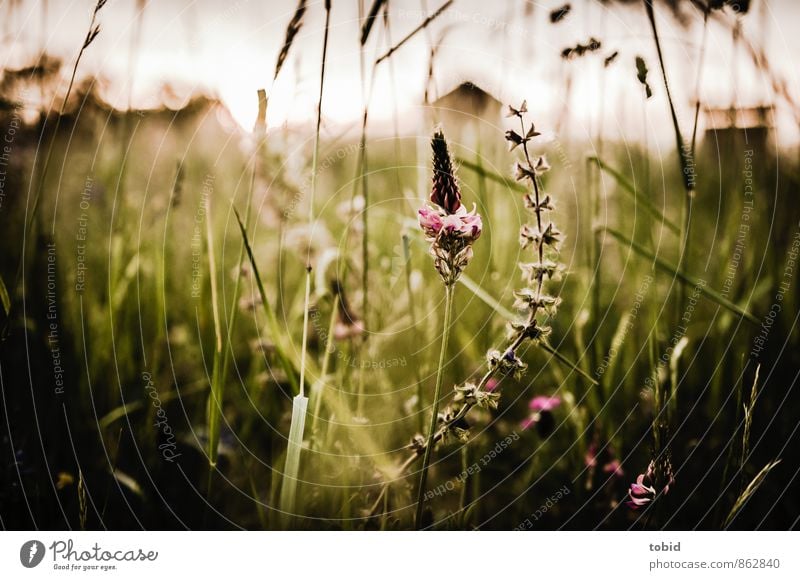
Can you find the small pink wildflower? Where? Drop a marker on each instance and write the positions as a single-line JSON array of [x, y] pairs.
[[541, 416]]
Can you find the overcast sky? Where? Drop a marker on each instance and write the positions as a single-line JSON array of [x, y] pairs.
[[228, 49]]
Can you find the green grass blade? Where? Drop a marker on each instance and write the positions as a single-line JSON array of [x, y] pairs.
[[566, 362], [617, 342], [319, 386], [122, 285], [214, 410], [712, 295], [636, 195], [674, 377], [121, 411], [290, 472], [751, 489], [289, 366], [4, 297], [485, 297]]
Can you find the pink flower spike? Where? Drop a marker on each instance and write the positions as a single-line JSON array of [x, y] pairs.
[[461, 224], [544, 403], [491, 385], [640, 493]]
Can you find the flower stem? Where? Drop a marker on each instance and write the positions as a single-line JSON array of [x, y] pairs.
[[426, 459]]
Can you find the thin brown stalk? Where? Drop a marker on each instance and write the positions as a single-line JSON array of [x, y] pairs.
[[307, 301], [411, 34], [687, 171], [366, 28]]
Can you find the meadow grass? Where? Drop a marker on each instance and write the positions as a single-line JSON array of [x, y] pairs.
[[225, 361]]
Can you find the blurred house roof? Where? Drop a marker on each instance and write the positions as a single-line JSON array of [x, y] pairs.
[[758, 117], [468, 98]]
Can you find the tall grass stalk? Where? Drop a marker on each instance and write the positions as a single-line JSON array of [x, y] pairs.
[[685, 164], [674, 378], [214, 410], [366, 97], [361, 165], [127, 131], [362, 174], [292, 468], [395, 113], [300, 402], [220, 371], [749, 408], [5, 299], [749, 491], [595, 189], [437, 393], [368, 22], [698, 79], [318, 391]]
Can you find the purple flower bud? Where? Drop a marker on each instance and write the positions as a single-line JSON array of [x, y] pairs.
[[445, 192]]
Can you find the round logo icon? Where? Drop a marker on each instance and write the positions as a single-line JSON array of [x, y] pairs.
[[31, 553]]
